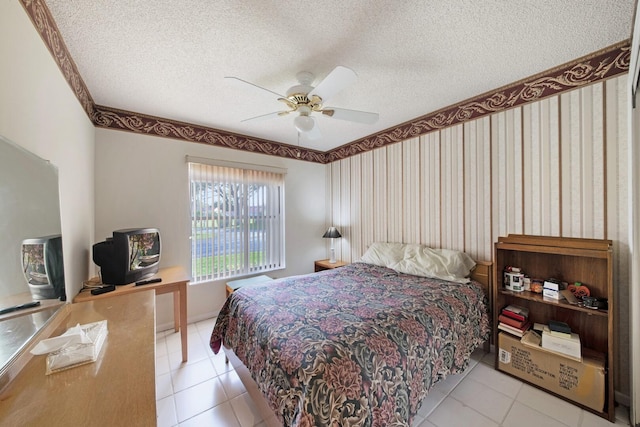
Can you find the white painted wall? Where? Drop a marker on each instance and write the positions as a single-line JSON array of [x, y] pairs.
[[39, 112], [142, 181]]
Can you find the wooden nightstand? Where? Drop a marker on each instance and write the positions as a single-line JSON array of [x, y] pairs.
[[324, 264]]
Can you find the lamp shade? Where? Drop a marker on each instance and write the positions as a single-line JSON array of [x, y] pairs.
[[303, 123], [332, 232]]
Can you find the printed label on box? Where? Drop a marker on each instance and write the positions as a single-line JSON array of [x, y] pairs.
[[505, 356]]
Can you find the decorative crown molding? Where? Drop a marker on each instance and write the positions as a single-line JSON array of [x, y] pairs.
[[112, 118], [601, 65]]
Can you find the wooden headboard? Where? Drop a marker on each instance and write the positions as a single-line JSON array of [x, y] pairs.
[[482, 274]]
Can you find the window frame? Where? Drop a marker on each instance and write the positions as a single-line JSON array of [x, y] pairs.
[[270, 236]]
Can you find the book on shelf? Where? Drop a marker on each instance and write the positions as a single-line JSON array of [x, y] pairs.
[[518, 332], [516, 312], [511, 321], [559, 329], [568, 346], [560, 334]]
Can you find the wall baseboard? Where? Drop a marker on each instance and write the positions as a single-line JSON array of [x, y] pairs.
[[193, 319], [623, 399]]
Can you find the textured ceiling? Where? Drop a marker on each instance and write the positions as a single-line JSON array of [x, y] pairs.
[[168, 58]]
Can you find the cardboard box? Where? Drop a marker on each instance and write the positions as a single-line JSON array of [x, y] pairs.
[[583, 382]]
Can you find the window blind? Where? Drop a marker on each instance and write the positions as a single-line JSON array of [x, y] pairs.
[[237, 221]]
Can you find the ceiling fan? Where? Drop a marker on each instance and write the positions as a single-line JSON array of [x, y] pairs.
[[305, 99]]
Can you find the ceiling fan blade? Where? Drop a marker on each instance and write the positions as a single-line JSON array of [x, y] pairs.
[[265, 116], [336, 80], [255, 85], [351, 115]]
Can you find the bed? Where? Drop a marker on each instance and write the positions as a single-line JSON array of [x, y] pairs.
[[359, 345]]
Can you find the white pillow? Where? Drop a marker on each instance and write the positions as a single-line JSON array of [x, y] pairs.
[[384, 254], [445, 264], [421, 260]]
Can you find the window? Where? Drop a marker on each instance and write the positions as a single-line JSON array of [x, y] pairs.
[[237, 221]]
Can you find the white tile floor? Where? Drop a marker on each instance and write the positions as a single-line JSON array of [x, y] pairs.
[[207, 392]]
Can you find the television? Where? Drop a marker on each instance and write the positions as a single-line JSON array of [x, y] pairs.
[[43, 267], [129, 256]]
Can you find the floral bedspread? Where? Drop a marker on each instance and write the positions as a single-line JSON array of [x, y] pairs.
[[359, 345]]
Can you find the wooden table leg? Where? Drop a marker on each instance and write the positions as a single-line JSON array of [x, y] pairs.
[[176, 310], [183, 319]]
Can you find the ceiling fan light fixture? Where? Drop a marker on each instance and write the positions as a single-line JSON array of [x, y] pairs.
[[303, 123]]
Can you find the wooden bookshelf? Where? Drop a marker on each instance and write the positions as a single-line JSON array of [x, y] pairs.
[[588, 261]]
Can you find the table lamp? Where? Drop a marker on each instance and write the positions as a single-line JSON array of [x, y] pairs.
[[332, 233]]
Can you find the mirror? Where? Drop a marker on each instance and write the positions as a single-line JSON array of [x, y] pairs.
[[30, 247]]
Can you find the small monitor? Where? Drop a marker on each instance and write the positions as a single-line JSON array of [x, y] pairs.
[[129, 256], [43, 267]]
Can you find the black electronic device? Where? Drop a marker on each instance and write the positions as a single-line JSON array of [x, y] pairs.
[[129, 256], [147, 282], [103, 289], [20, 307]]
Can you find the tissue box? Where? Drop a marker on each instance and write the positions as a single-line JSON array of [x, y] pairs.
[[73, 355]]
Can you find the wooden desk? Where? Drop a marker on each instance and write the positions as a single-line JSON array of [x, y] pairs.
[[174, 279], [117, 389]]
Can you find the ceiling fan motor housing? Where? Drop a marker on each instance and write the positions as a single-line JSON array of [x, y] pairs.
[[298, 93]]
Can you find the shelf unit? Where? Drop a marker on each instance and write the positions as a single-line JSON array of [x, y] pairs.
[[588, 261]]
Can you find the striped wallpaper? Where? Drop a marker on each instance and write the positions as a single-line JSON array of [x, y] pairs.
[[553, 167], [556, 167]]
